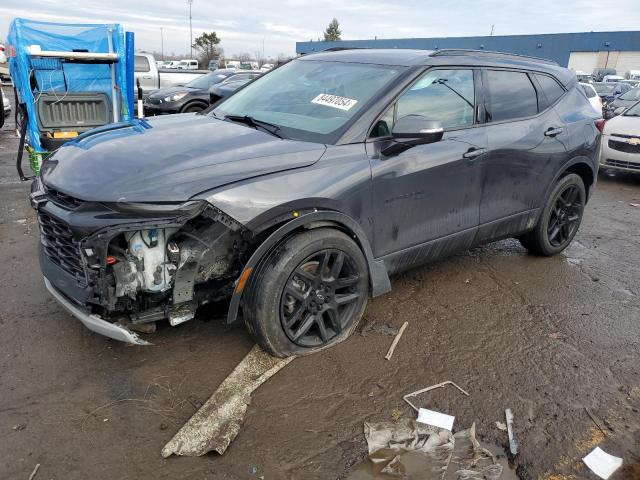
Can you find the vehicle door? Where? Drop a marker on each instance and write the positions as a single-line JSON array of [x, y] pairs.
[[525, 142], [144, 73], [428, 196]]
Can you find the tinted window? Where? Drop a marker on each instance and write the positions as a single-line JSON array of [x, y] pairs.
[[511, 95], [588, 91], [443, 95], [552, 91], [141, 64]]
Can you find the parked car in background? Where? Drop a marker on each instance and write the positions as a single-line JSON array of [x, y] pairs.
[[620, 146], [192, 97], [187, 65], [298, 196], [583, 77], [622, 101], [172, 64], [213, 65], [248, 66], [151, 78], [231, 84], [632, 83], [599, 73], [3, 56], [612, 78], [609, 91], [266, 67], [632, 75], [593, 97]]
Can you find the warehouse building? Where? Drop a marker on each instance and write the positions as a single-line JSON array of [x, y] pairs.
[[580, 51]]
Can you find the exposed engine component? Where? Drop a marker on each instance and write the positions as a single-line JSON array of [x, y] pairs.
[[155, 271]]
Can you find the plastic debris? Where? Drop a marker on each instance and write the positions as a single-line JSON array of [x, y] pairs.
[[217, 422], [414, 451], [513, 444], [501, 426], [396, 340], [601, 463], [437, 419], [432, 387]]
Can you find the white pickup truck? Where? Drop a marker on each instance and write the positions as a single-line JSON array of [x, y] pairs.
[[152, 79]]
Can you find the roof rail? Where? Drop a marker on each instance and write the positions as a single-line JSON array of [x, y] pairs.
[[339, 49], [461, 51]]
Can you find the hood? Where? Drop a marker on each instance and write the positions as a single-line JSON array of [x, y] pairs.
[[623, 125], [169, 158]]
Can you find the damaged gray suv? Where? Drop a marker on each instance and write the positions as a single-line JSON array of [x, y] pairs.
[[294, 199]]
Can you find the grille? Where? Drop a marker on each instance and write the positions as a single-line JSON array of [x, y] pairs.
[[623, 164], [60, 247], [624, 147], [63, 200]]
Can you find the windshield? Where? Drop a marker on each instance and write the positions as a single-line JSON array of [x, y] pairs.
[[206, 80], [631, 95], [603, 88], [310, 100], [633, 111]]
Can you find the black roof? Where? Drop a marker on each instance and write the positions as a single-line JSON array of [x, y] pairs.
[[409, 58]]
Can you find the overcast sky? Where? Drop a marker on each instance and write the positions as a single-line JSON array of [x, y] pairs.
[[244, 25]]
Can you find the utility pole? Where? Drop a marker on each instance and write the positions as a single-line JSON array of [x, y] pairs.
[[190, 2], [491, 34], [162, 42]]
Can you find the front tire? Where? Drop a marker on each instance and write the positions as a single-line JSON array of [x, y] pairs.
[[560, 219], [308, 294]]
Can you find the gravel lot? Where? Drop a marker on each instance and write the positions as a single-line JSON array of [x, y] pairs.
[[546, 337]]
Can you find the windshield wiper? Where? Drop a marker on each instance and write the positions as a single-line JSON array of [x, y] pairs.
[[253, 122]]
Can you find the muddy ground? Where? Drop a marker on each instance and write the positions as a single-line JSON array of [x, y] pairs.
[[546, 337]]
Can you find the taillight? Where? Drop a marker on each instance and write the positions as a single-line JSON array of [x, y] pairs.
[[600, 124]]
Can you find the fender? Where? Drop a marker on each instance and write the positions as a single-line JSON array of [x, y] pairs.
[[378, 276], [574, 161]]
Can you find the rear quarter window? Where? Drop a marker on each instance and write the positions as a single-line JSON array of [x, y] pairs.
[[551, 91]]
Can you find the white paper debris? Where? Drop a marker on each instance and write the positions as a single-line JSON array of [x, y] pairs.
[[334, 101], [437, 419], [601, 463]]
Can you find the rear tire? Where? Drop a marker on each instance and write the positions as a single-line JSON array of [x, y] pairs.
[[560, 219], [308, 294]]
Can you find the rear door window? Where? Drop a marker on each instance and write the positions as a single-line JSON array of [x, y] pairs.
[[510, 95], [551, 90]]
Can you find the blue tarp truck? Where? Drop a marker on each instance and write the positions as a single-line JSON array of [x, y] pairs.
[[68, 78]]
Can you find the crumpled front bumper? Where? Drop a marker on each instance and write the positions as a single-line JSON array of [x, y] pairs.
[[94, 322]]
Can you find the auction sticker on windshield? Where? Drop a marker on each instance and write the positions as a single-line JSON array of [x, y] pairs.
[[334, 101]]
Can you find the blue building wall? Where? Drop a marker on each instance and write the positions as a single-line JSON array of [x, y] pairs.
[[554, 46]]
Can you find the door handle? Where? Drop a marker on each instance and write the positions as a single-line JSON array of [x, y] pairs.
[[148, 77], [473, 153], [553, 131]]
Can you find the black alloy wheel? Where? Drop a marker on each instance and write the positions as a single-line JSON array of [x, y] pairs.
[[319, 298], [565, 216]]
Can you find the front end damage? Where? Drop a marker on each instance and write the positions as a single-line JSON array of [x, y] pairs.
[[120, 268]]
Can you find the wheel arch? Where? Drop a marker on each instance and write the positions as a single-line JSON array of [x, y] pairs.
[[378, 277], [581, 166]]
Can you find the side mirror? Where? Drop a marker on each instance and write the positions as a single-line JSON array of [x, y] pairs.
[[619, 110], [413, 130], [417, 130]]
